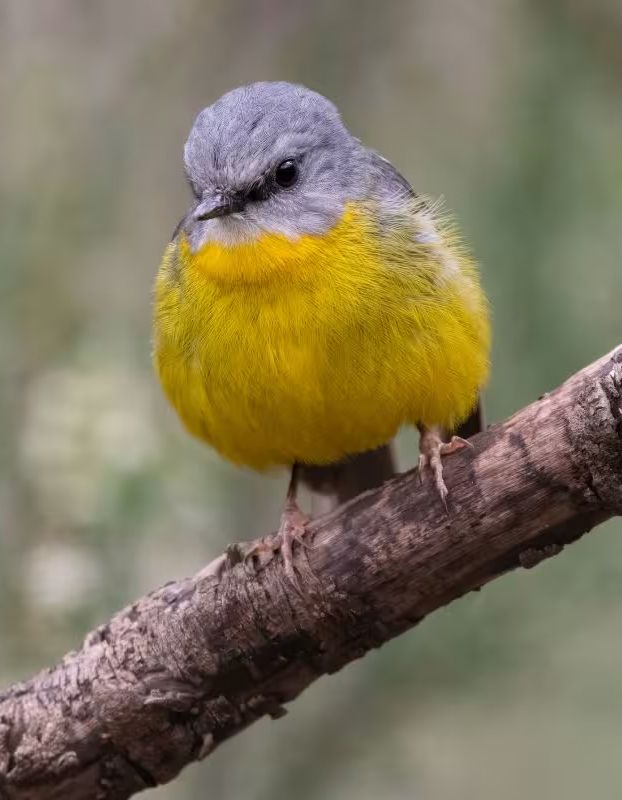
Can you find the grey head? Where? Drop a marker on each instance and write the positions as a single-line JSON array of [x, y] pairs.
[[270, 157]]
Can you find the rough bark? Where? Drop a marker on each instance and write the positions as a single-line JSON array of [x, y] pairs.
[[195, 662]]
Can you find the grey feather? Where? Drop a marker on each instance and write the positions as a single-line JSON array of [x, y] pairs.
[[241, 139]]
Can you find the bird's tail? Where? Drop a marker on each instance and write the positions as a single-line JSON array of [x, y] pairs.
[[334, 484], [475, 423]]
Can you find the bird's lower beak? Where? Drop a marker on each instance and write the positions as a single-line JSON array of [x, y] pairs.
[[210, 209]]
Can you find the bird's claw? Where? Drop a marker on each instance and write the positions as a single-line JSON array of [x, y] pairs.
[[292, 530], [432, 449]]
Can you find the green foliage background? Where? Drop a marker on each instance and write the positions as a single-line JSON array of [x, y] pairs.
[[511, 109]]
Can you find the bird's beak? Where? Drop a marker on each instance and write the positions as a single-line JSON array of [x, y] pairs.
[[212, 207]]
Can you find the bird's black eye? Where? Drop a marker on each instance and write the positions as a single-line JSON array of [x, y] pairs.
[[286, 173]]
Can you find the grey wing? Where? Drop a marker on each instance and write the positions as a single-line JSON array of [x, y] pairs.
[[387, 180]]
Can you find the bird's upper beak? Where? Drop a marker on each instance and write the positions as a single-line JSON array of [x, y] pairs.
[[217, 205]]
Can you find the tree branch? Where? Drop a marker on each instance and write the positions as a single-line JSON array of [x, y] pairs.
[[195, 662]]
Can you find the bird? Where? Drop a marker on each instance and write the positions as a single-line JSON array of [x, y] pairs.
[[311, 303]]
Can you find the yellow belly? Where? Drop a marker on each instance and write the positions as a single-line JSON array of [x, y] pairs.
[[280, 351]]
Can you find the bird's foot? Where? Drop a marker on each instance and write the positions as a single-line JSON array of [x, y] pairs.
[[432, 448], [292, 530]]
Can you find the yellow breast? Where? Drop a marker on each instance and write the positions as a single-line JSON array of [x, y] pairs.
[[278, 351]]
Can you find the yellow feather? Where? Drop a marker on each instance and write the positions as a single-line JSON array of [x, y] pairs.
[[309, 350]]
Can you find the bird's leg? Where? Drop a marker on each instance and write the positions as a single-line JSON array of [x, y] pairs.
[[292, 529], [293, 525], [431, 450]]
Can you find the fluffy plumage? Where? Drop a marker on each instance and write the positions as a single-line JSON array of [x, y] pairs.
[[315, 322]]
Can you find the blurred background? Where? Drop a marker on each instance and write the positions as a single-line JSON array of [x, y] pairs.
[[512, 110]]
